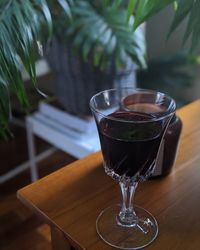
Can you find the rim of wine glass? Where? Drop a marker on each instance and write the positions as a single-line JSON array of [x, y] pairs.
[[162, 114]]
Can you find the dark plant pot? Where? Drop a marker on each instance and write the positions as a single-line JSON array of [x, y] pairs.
[[77, 81]]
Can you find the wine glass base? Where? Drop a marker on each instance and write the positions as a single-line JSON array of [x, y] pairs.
[[137, 236]]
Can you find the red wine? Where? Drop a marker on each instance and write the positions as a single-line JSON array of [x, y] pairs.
[[131, 147]]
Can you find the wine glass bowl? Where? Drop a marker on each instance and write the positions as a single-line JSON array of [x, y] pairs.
[[131, 124]]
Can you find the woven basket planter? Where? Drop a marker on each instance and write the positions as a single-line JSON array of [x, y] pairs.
[[78, 81]]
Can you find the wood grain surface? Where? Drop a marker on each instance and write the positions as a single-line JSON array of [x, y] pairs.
[[71, 198]]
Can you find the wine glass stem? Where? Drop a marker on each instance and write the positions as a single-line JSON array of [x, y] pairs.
[[127, 216]]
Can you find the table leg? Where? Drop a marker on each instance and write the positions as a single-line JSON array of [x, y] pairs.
[[58, 240]]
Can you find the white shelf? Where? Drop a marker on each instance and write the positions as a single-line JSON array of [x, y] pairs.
[[60, 137], [49, 131]]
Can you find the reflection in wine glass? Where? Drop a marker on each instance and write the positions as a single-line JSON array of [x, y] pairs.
[[131, 124]]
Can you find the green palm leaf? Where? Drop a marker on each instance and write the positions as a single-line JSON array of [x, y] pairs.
[[193, 27], [101, 33], [5, 109], [19, 30], [148, 8], [184, 8], [131, 8]]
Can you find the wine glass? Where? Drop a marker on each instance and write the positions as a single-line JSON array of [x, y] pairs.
[[131, 125]]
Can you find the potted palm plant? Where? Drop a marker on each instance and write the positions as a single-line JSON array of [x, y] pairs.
[[92, 49], [95, 37], [103, 33]]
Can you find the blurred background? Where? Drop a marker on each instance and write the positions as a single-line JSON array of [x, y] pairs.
[[159, 47]]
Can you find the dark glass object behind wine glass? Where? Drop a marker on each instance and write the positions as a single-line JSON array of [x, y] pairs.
[[131, 124], [169, 148]]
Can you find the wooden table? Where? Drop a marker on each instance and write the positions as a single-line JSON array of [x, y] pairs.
[[70, 199]]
